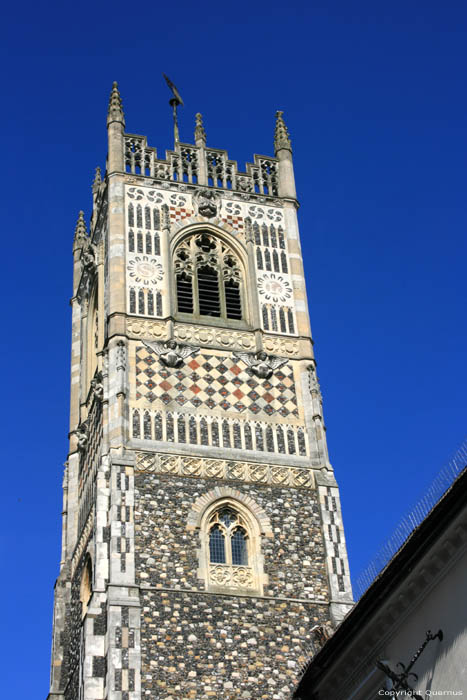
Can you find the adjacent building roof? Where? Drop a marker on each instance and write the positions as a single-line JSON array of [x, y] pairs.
[[396, 572]]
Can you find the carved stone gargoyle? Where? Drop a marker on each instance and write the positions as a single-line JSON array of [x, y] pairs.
[[171, 353], [88, 258], [98, 386], [82, 435], [260, 363]]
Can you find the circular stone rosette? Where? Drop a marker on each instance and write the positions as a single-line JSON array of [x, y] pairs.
[[145, 270], [274, 288]]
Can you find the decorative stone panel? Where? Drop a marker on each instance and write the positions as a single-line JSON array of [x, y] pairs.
[[213, 337], [206, 430], [140, 328], [229, 470], [217, 337], [209, 381]]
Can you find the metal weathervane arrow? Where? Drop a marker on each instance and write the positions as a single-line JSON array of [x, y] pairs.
[[174, 101]]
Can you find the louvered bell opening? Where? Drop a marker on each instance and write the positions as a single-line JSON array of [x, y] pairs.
[[233, 302], [184, 294], [208, 292]]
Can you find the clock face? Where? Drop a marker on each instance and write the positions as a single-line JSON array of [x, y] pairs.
[[145, 270], [274, 288]]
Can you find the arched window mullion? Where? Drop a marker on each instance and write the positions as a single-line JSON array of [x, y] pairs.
[[195, 284], [228, 549], [221, 277], [238, 546]]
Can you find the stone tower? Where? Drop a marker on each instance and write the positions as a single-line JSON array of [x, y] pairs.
[[202, 533]]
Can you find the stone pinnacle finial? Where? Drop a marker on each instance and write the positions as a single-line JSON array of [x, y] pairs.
[[200, 134], [81, 233], [281, 134], [97, 180], [115, 111]]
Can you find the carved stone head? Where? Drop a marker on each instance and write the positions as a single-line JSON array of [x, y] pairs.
[[207, 201]]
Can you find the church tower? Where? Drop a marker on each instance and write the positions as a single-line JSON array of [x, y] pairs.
[[202, 531]]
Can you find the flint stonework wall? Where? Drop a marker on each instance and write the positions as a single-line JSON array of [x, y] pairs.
[[227, 647], [70, 674], [197, 644], [167, 551]]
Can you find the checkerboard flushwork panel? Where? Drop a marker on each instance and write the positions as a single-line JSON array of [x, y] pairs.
[[179, 213], [333, 534], [235, 221], [212, 382]]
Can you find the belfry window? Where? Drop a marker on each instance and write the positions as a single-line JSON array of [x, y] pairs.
[[208, 292], [208, 278], [184, 293]]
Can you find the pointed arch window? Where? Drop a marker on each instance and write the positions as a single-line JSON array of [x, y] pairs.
[[85, 592], [209, 279], [228, 538], [231, 547]]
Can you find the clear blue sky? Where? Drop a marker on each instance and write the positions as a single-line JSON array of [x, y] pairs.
[[374, 97]]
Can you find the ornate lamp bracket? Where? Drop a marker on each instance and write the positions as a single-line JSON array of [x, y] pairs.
[[400, 681]]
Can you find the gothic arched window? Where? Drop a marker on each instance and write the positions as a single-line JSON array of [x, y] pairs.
[[85, 591], [230, 554], [228, 538], [208, 278]]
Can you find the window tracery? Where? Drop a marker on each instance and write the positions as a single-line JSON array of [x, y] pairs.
[[231, 545], [228, 538], [209, 279]]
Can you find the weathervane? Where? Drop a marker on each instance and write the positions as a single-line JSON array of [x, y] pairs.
[[174, 101]]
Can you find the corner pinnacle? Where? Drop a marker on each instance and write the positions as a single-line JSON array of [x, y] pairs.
[[281, 134], [97, 180], [81, 233], [115, 111], [200, 134]]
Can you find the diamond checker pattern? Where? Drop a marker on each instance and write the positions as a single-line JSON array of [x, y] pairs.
[[212, 382]]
